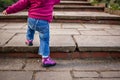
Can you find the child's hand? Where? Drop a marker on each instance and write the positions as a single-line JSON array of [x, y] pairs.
[[4, 12]]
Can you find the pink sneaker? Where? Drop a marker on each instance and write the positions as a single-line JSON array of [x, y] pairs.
[[29, 42], [47, 62]]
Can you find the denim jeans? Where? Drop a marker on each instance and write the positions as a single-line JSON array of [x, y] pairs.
[[42, 26]]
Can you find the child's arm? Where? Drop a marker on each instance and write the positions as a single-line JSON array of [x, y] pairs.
[[18, 6]]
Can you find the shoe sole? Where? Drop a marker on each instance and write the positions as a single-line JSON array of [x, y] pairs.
[[48, 65], [31, 44]]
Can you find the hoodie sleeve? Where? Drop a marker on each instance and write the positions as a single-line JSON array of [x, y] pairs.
[[57, 1], [18, 6]]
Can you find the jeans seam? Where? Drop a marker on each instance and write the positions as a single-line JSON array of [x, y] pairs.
[[36, 24]]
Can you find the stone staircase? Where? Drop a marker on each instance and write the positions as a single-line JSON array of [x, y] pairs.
[[77, 6], [80, 11]]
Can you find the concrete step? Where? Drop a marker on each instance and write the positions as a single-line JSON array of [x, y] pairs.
[[67, 39], [86, 17], [57, 44], [73, 16], [78, 8], [77, 37], [80, 3]]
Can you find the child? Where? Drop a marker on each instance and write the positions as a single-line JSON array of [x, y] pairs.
[[39, 16]]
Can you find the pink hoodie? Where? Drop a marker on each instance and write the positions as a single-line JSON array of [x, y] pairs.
[[38, 9]]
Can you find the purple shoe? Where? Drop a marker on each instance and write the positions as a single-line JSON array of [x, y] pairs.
[[47, 62], [29, 42]]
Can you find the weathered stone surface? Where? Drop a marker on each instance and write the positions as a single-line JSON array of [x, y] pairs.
[[97, 26], [98, 79], [98, 43], [95, 65], [113, 74], [1, 31], [53, 76], [17, 44], [15, 75], [2, 24], [115, 26], [25, 27], [85, 74], [114, 32], [64, 32], [17, 31], [62, 43], [11, 64], [72, 26], [94, 32], [33, 64], [19, 39], [79, 13], [14, 26], [5, 37], [55, 25]]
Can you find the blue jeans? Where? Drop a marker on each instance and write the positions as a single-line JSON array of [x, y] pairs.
[[42, 26]]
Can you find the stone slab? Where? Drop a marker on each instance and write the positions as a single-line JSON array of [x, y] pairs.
[[33, 64], [1, 31], [53, 76], [113, 74], [72, 26], [62, 43], [17, 44], [97, 26], [14, 26], [98, 79], [79, 13], [15, 31], [25, 27], [2, 24], [85, 74], [98, 43], [11, 64], [64, 32], [19, 40], [55, 25], [96, 65], [15, 75], [115, 26], [5, 37], [114, 32], [94, 32]]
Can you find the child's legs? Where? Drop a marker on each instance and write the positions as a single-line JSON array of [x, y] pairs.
[[44, 44], [30, 33], [31, 29], [42, 27]]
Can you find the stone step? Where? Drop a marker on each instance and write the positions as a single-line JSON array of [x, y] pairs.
[[14, 43], [67, 39], [74, 16], [86, 17], [80, 3], [78, 8]]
